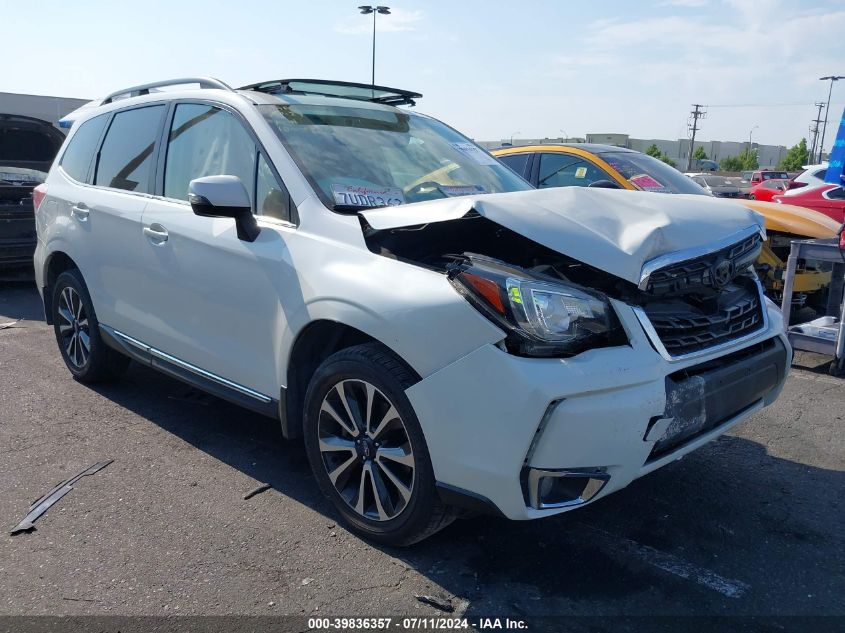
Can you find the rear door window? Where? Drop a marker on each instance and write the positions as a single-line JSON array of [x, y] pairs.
[[205, 140], [565, 170], [126, 157], [80, 150]]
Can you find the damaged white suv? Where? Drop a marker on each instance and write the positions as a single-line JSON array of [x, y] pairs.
[[442, 336]]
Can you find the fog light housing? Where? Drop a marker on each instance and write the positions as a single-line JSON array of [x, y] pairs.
[[563, 488]]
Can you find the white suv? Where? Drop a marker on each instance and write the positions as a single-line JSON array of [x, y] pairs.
[[442, 335]]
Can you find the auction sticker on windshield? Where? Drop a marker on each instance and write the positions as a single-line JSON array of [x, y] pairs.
[[460, 190], [475, 153], [647, 183], [367, 196]]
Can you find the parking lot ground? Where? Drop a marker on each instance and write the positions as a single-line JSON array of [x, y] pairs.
[[750, 525]]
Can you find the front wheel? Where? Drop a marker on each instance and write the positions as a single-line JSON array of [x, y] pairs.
[[367, 450]]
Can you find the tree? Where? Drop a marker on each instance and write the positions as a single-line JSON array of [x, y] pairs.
[[749, 159], [746, 160], [795, 158], [730, 163], [699, 153], [653, 150]]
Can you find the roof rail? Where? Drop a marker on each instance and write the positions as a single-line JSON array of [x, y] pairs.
[[135, 91], [341, 89]]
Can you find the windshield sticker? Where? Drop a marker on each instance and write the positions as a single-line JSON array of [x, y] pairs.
[[580, 172], [646, 183], [460, 190], [475, 153], [367, 196]]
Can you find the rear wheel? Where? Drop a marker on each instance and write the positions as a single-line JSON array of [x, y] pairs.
[[367, 450], [77, 331]]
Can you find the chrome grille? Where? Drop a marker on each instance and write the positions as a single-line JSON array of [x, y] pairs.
[[704, 301], [698, 272]]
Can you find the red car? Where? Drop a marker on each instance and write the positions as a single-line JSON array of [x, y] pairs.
[[761, 175], [827, 199], [766, 189]]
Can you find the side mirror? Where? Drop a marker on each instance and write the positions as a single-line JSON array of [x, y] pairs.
[[224, 197]]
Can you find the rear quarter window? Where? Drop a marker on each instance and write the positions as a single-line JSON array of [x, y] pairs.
[[80, 150]]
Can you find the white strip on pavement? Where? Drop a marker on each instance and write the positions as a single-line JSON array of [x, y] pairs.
[[670, 563]]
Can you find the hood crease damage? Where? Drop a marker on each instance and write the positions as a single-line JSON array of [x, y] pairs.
[[615, 232]]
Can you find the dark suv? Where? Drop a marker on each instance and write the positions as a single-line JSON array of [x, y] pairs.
[[27, 148]]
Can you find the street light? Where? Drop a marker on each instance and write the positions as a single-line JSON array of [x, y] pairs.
[[512, 135], [750, 132], [366, 10], [830, 78], [565, 136]]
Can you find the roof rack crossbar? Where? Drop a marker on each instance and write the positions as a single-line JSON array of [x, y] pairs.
[[134, 91], [393, 96]]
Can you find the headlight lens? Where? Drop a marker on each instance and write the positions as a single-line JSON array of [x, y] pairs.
[[542, 317]]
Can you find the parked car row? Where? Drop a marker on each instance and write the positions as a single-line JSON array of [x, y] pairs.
[[444, 333]]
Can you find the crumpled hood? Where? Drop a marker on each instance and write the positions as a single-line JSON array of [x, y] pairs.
[[612, 230]]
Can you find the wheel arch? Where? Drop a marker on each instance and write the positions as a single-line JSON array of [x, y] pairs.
[[57, 263], [313, 344]]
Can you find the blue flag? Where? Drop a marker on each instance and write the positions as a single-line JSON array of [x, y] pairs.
[[835, 169]]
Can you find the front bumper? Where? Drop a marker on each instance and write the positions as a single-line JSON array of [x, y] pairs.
[[497, 425], [17, 236]]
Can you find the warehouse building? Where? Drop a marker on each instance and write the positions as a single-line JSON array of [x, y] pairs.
[[677, 150]]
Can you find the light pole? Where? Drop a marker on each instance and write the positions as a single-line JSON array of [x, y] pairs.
[[750, 132], [565, 136], [366, 10], [830, 78], [512, 135]]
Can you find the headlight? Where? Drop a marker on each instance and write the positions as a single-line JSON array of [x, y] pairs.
[[543, 317]]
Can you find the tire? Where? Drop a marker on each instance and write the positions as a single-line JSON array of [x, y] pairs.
[[386, 458], [74, 323]]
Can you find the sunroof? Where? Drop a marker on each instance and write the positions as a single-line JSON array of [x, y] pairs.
[[343, 89]]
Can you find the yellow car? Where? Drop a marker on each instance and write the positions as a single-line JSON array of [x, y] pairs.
[[592, 165]]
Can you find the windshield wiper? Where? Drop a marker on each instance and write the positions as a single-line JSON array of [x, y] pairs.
[[354, 208]]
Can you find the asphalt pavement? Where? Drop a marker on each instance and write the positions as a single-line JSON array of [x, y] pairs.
[[750, 525]]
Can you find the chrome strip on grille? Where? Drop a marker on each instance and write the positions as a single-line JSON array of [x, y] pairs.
[[678, 257]]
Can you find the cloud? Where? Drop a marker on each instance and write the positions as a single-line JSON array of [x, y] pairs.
[[399, 20], [691, 4]]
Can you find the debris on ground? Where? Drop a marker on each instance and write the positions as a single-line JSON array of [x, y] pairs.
[[4, 326], [257, 491], [444, 604], [40, 506]]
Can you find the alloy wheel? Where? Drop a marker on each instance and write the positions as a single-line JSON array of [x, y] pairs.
[[73, 328], [366, 450]]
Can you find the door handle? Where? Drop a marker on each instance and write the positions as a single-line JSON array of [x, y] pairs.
[[156, 234], [80, 211]]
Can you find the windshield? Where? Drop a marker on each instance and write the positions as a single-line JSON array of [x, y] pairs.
[[775, 175], [359, 157], [649, 174], [718, 181]]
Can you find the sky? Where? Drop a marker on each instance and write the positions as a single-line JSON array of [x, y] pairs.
[[491, 69]]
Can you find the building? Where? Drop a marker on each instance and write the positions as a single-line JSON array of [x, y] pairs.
[[49, 109], [677, 150]]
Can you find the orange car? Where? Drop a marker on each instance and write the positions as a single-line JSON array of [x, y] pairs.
[[593, 165]]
